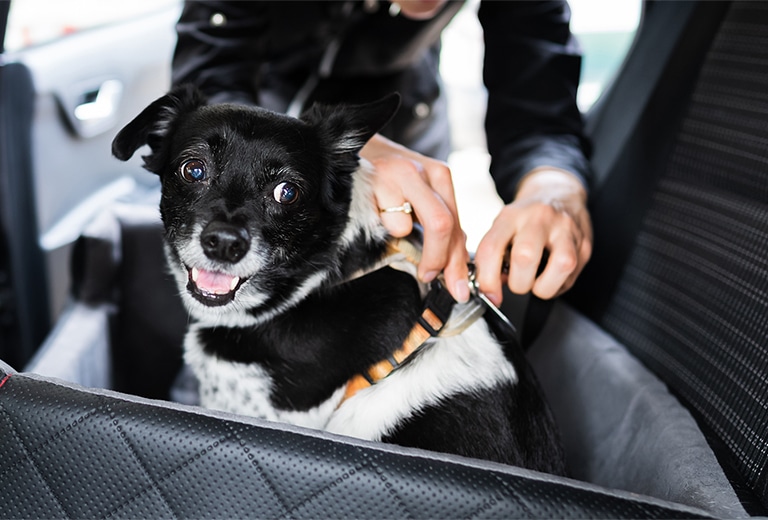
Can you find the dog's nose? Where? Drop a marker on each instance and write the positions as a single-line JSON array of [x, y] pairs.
[[225, 242]]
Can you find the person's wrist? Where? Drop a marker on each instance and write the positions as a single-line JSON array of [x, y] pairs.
[[549, 184]]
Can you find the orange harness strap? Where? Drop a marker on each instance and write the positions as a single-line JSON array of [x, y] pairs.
[[437, 308]]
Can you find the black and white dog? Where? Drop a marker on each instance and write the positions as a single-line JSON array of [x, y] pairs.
[[282, 261]]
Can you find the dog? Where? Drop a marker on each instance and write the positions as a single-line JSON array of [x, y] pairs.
[[299, 298]]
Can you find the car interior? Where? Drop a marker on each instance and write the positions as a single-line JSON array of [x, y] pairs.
[[655, 363]]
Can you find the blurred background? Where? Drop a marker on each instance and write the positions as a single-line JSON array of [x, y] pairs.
[[90, 55]]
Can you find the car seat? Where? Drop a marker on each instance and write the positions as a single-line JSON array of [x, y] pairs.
[[681, 218], [654, 365]]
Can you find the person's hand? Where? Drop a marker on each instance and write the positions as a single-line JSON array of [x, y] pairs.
[[403, 175], [549, 213]]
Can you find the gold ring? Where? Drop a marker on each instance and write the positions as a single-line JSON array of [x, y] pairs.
[[405, 208]]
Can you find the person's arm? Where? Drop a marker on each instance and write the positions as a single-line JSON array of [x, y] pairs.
[[531, 70], [538, 149]]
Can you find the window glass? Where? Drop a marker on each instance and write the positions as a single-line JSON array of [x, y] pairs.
[[605, 30], [35, 22]]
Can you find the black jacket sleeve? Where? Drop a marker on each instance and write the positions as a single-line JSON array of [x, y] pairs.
[[262, 52], [531, 70]]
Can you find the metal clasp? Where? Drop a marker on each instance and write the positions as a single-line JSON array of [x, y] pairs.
[[474, 288]]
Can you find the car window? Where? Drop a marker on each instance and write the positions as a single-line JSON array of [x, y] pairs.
[[35, 22], [605, 30]]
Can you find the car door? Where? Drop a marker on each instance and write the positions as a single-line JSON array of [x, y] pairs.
[[70, 76]]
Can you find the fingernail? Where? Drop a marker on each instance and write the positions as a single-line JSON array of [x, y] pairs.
[[461, 291], [496, 300], [429, 276]]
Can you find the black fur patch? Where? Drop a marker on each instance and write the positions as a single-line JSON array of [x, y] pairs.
[[342, 331]]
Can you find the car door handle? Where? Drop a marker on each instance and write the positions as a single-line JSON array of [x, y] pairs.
[[92, 107], [100, 103]]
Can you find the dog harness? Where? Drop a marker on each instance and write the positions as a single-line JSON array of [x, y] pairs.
[[440, 316]]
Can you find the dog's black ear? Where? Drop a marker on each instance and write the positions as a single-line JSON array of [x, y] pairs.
[[152, 124], [351, 126]]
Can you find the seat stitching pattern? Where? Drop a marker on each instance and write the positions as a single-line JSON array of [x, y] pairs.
[[117, 429], [26, 455]]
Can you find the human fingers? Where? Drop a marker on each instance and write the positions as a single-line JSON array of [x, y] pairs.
[[405, 175], [402, 192], [396, 212], [444, 241], [550, 206], [490, 258], [564, 235], [562, 261], [456, 271], [583, 256], [570, 248], [535, 232], [525, 257]]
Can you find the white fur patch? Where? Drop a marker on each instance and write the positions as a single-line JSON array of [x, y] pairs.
[[309, 285], [468, 362], [248, 296], [163, 124], [235, 314], [362, 210], [245, 389]]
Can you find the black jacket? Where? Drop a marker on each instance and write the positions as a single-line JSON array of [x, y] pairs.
[[285, 55]]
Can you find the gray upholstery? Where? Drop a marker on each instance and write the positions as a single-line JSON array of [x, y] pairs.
[[621, 426], [78, 348], [686, 289]]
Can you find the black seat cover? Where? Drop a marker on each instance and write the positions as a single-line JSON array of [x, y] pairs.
[[91, 454]]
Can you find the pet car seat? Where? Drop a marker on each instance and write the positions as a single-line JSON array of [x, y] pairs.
[[85, 450], [676, 289]]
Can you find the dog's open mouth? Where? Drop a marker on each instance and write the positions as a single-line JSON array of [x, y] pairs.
[[212, 288]]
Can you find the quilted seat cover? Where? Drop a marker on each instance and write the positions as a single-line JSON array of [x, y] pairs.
[[94, 454]]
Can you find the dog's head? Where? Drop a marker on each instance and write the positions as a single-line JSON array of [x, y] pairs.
[[258, 207]]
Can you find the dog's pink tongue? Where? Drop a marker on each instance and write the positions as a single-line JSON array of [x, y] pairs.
[[213, 282]]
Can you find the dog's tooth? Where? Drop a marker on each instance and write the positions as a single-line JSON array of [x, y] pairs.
[[233, 285], [195, 274]]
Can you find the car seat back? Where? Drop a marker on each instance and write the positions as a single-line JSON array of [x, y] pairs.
[[119, 262], [24, 316], [686, 290]]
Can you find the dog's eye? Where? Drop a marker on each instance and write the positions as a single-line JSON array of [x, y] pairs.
[[286, 193], [193, 170]]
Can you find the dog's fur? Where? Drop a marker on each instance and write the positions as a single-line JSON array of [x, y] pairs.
[[267, 220]]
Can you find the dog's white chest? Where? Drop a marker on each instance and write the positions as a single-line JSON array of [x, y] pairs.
[[468, 363]]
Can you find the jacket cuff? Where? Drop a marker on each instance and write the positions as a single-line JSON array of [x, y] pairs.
[[562, 152]]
